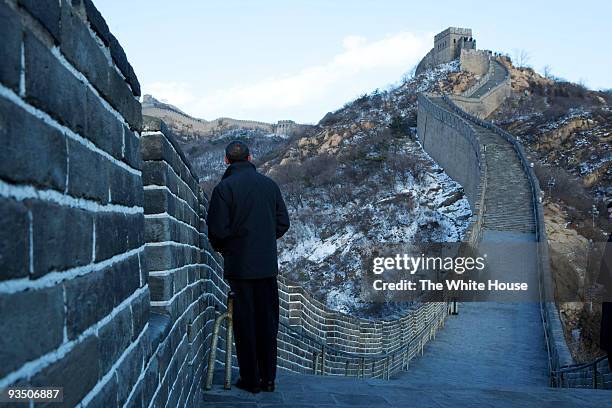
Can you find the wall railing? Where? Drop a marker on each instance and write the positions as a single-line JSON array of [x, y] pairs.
[[314, 339], [594, 374]]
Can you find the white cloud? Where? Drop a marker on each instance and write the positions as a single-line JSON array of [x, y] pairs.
[[308, 94]]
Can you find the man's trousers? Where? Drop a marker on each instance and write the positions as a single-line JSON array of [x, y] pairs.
[[255, 328]]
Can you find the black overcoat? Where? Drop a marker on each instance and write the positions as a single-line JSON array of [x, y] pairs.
[[246, 215]]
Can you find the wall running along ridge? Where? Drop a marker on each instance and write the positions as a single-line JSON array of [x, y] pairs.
[[449, 136], [108, 284]]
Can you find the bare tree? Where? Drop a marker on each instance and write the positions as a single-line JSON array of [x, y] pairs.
[[521, 58], [548, 72]]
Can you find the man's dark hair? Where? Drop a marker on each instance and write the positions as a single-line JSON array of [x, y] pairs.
[[609, 204], [236, 151]]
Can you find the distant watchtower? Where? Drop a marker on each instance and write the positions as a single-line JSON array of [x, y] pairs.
[[447, 47], [449, 43]]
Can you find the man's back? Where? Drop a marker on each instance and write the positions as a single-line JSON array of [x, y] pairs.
[[246, 216]]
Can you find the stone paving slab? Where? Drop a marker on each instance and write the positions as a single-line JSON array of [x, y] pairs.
[[328, 391]]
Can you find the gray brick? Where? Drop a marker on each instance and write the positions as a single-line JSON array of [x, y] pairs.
[[111, 234], [103, 128], [135, 235], [91, 297], [144, 273], [124, 66], [62, 237], [14, 239], [128, 372], [32, 325], [114, 337], [124, 101], [166, 147], [97, 22], [136, 400], [47, 12], [151, 381], [126, 188], [107, 396], [158, 201], [132, 149], [52, 88], [140, 314], [88, 173], [165, 257], [117, 233], [164, 356], [168, 229], [161, 287], [77, 372], [10, 47], [82, 50], [32, 152]]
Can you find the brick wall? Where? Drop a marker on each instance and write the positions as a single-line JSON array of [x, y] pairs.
[[73, 292], [185, 274], [474, 61], [78, 306], [486, 104], [108, 285]]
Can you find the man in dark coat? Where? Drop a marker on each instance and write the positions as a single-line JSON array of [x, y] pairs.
[[605, 278], [246, 216]]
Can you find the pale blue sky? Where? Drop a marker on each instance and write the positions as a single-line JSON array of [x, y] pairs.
[[270, 60]]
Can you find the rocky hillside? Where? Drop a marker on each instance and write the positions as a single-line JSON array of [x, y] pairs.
[[357, 183], [567, 127], [362, 185], [204, 141]]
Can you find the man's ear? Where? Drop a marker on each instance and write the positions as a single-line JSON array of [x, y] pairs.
[[225, 160], [249, 157]]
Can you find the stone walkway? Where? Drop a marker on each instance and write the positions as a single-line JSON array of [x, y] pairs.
[[486, 345], [301, 391], [489, 355]]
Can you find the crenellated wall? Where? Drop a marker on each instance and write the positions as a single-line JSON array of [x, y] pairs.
[[475, 61], [108, 285], [449, 126], [487, 94], [74, 299]]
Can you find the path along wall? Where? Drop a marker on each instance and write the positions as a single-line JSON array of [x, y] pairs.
[[108, 285], [485, 104], [450, 141]]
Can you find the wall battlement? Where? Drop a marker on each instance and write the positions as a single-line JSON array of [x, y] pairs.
[[108, 284], [448, 46]]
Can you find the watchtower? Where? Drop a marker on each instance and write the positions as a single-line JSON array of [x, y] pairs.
[[449, 43], [447, 47]]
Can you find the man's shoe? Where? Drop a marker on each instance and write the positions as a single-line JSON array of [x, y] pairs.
[[246, 387], [267, 386]]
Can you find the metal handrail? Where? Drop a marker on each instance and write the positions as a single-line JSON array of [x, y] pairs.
[[578, 367], [212, 356], [561, 373]]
